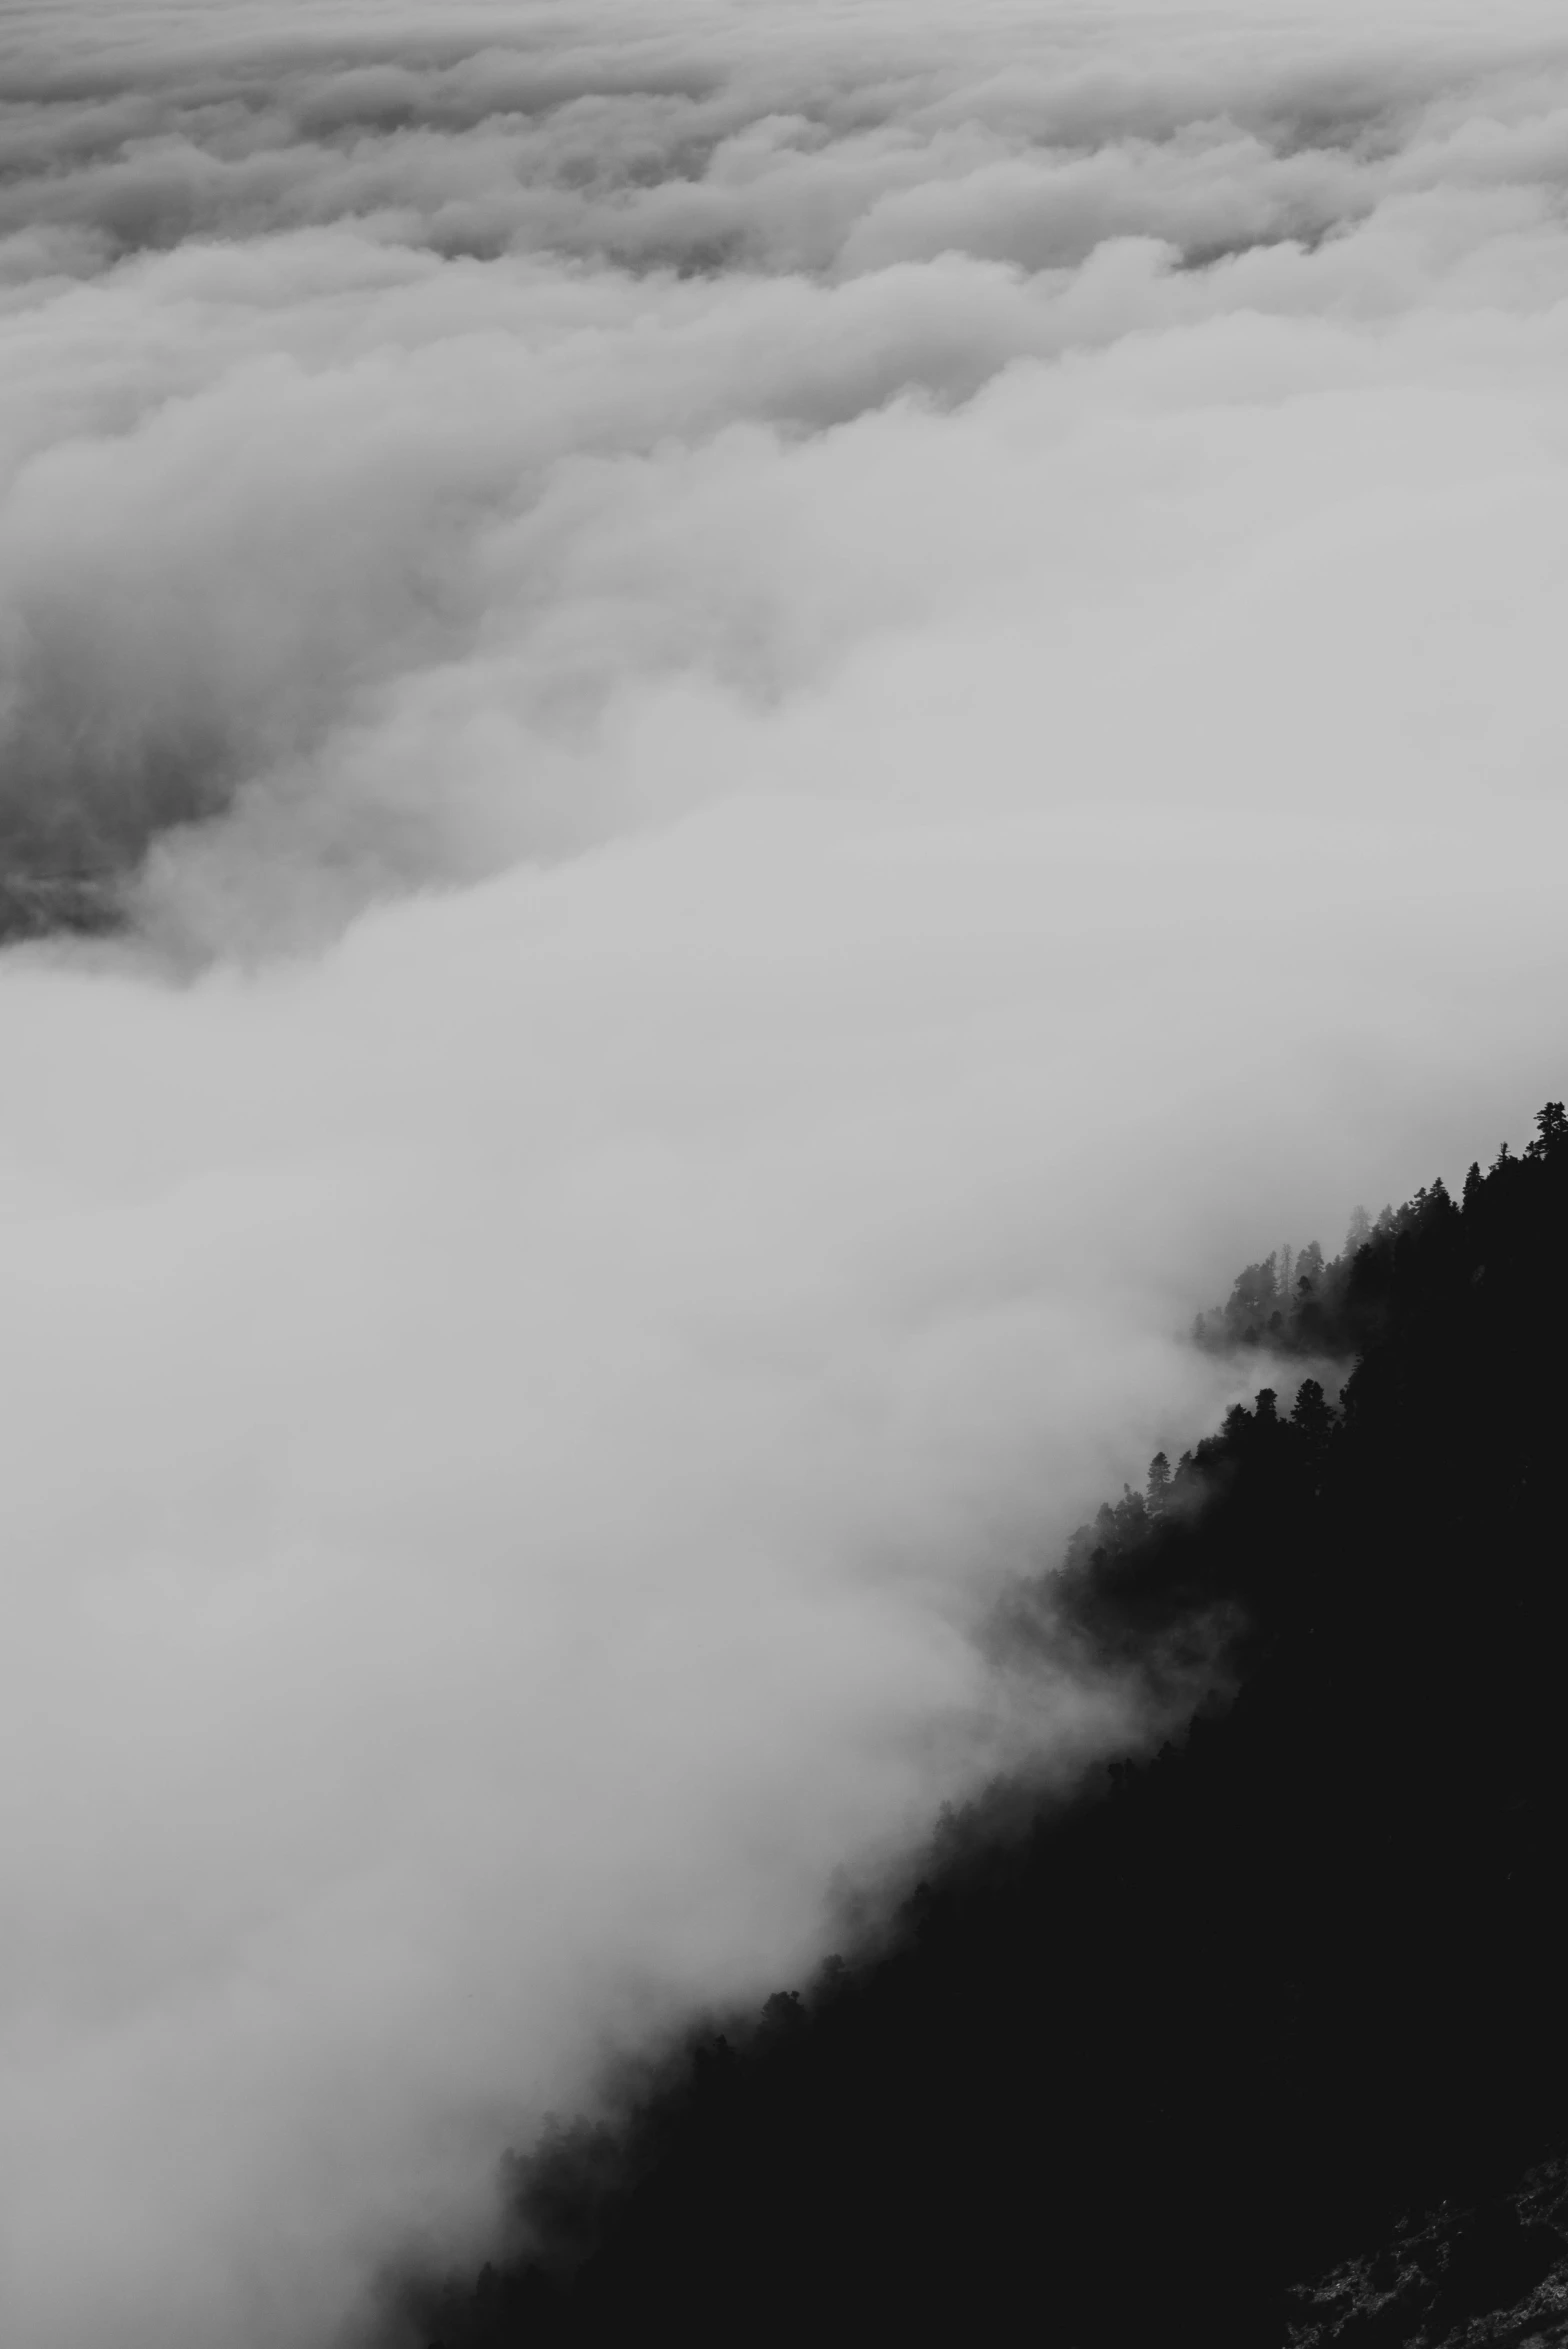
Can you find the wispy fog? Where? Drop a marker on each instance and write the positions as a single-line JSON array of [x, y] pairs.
[[786, 717]]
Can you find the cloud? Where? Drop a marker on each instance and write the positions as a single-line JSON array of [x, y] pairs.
[[794, 716]]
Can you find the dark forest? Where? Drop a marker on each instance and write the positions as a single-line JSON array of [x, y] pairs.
[[1143, 2064]]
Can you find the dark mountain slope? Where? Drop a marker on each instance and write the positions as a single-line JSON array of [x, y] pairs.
[[1128, 2068]]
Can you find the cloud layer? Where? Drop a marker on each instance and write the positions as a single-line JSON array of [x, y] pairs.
[[795, 715]]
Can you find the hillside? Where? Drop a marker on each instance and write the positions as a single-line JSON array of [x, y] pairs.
[[1136, 2067]]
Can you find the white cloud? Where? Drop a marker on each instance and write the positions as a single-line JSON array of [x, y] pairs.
[[868, 693]]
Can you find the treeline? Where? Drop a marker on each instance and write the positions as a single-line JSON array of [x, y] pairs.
[[1303, 1303], [1127, 2067]]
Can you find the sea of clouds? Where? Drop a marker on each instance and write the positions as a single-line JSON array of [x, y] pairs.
[[795, 712]]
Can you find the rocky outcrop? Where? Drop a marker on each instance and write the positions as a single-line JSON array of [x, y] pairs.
[[1493, 2275]]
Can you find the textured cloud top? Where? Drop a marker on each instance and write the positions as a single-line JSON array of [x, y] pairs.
[[359, 364]]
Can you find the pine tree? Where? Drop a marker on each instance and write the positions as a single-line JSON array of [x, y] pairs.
[[1551, 1130], [1312, 1417]]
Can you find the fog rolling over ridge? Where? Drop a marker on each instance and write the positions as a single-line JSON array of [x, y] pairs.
[[779, 720]]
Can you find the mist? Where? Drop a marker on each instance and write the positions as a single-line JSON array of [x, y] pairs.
[[778, 720]]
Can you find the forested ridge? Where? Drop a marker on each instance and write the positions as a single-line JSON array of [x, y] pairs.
[[1137, 2067]]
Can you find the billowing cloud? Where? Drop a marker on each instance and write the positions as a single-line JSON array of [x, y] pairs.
[[791, 716]]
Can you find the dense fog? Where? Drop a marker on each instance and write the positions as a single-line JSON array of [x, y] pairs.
[[732, 739]]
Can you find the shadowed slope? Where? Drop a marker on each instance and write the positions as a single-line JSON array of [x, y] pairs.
[[1136, 2064]]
